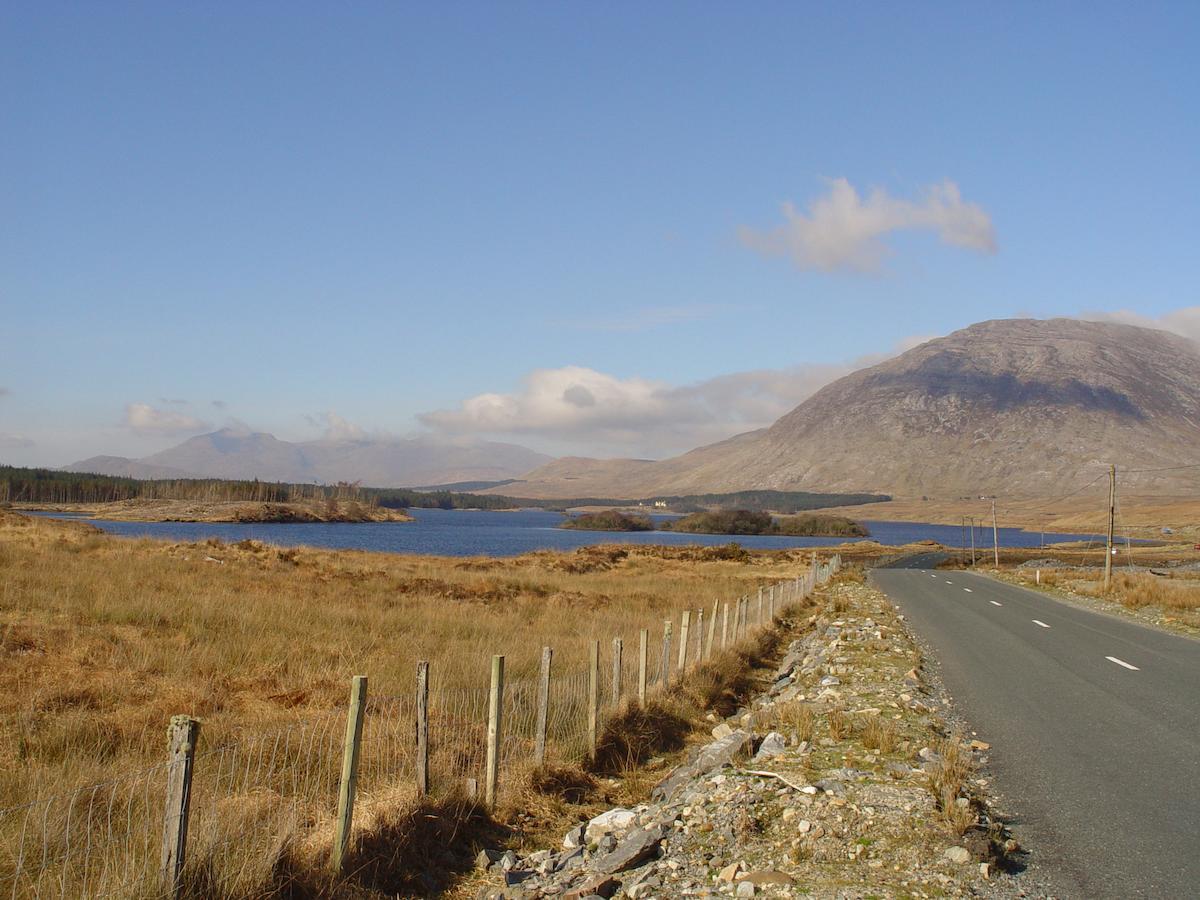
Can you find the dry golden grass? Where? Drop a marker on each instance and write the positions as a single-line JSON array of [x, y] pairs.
[[102, 640], [879, 733], [947, 778]]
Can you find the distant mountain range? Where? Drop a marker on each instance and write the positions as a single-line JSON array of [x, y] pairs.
[[1014, 406], [230, 453]]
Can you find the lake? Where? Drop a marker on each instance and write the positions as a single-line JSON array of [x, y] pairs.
[[487, 533]]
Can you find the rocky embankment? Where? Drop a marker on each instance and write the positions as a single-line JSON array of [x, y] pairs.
[[840, 779]]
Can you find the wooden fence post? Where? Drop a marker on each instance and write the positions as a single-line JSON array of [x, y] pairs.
[[618, 661], [760, 606], [724, 625], [349, 781], [712, 630], [423, 728], [665, 664], [543, 710], [182, 735], [699, 635], [685, 623], [491, 775], [593, 695], [643, 659]]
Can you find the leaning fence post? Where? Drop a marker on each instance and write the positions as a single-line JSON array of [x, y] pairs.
[[349, 781], [491, 776], [665, 664], [543, 708], [182, 735], [618, 661], [593, 696], [712, 630], [685, 623], [423, 728], [724, 625], [643, 658]]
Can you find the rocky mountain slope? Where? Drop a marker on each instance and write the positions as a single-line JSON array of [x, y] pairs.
[[1015, 406], [230, 453]]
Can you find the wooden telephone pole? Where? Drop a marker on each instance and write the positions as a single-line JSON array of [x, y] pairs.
[[1112, 516], [972, 540], [995, 535]]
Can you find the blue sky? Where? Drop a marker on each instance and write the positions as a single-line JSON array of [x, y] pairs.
[[361, 219]]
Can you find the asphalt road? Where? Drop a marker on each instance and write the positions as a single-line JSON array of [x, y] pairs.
[[1094, 723]]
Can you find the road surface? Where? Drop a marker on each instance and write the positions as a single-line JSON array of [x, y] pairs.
[[1094, 723]]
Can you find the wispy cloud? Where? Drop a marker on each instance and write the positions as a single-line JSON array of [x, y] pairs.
[[167, 401], [142, 418], [14, 442], [335, 428], [844, 231], [220, 404], [578, 409], [1184, 321], [649, 317]]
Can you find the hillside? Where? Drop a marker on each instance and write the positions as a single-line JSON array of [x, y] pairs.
[[376, 462], [1018, 406]]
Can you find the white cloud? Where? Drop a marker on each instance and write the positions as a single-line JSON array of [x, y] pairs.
[[146, 419], [336, 428], [577, 409], [1184, 321], [842, 231]]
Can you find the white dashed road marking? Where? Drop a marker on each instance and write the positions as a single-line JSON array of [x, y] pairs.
[[949, 582], [1040, 622], [968, 590], [1121, 662], [994, 603]]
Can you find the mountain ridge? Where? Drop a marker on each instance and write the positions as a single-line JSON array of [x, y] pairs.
[[1007, 405], [376, 462]]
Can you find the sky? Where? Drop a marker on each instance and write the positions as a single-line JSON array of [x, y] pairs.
[[603, 229]]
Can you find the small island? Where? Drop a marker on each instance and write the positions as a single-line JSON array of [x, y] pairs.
[[744, 521], [607, 521]]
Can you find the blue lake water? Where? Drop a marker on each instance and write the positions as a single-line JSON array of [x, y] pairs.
[[486, 533]]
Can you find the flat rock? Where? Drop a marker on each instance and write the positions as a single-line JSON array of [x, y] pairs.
[[958, 855], [774, 744], [637, 847], [607, 822]]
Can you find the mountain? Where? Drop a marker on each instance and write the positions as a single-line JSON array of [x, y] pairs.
[[1014, 406], [375, 462]]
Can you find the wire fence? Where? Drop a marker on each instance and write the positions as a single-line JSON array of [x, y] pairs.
[[251, 797]]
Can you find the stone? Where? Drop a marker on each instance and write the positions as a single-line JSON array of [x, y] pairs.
[[614, 820], [722, 752], [745, 889], [597, 886], [772, 745], [730, 872], [830, 680], [637, 847], [574, 838], [769, 877], [958, 855], [985, 870], [789, 814], [486, 858], [980, 745], [722, 731], [804, 827], [516, 876]]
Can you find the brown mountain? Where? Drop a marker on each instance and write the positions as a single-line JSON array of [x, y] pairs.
[[1013, 406]]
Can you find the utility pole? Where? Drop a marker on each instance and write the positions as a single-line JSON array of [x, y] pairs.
[[1112, 516], [995, 535], [962, 543], [972, 540]]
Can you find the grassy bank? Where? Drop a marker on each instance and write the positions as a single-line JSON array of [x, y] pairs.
[[218, 511], [102, 640]]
